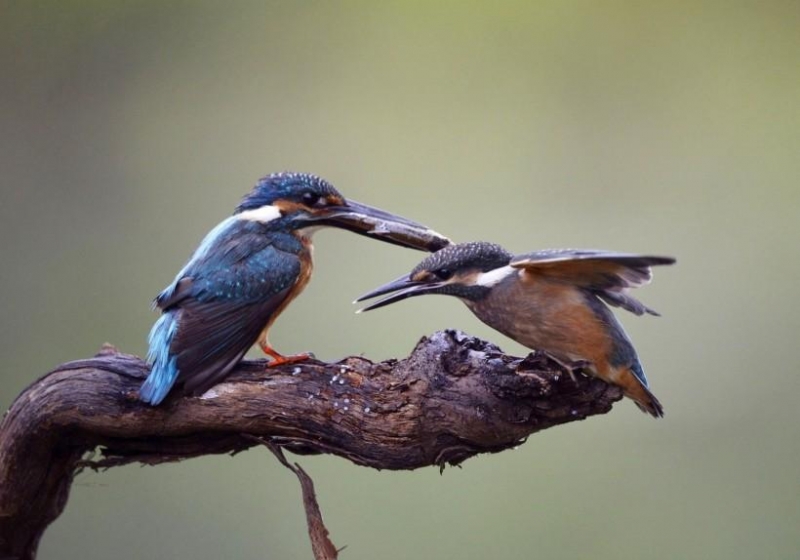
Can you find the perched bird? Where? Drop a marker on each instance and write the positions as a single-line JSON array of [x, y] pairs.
[[246, 271], [550, 300]]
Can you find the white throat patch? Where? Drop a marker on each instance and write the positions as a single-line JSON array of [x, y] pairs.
[[264, 214], [493, 277]]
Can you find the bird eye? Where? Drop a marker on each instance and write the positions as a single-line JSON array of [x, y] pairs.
[[310, 198], [444, 274]]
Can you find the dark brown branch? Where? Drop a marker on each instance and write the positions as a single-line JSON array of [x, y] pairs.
[[454, 397], [321, 544]]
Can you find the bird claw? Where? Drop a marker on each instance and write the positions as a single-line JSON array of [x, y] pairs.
[[284, 360], [539, 359], [570, 367]]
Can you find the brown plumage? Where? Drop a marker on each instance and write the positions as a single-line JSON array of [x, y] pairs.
[[548, 300]]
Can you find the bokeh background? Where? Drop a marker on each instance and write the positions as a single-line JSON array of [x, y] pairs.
[[130, 128]]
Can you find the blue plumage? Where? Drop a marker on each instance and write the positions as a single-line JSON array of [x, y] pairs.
[[218, 304], [245, 272], [164, 364], [638, 371]]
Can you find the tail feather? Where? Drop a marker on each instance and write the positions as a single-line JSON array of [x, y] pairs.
[[634, 386], [650, 404], [164, 371]]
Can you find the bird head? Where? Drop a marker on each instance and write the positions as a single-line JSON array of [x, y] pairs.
[[465, 270], [303, 202]]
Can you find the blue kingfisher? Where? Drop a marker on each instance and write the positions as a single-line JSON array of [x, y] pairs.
[[552, 300], [244, 274]]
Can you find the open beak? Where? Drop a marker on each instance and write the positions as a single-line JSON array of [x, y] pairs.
[[400, 289], [373, 222]]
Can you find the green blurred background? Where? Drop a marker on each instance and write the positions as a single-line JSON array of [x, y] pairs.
[[130, 128]]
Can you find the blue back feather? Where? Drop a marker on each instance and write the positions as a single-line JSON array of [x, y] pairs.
[[623, 354], [164, 370], [164, 365], [638, 371], [200, 253], [216, 279]]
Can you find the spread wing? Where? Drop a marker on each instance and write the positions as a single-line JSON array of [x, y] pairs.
[[223, 303], [607, 274]]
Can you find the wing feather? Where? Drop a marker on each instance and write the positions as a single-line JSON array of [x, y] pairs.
[[213, 337], [606, 273], [222, 310]]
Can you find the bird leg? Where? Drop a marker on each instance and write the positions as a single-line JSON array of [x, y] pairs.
[[279, 359], [571, 366]]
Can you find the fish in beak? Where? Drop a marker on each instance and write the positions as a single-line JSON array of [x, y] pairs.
[[373, 222]]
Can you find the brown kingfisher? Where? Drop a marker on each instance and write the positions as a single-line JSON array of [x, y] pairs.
[[244, 274], [552, 300]]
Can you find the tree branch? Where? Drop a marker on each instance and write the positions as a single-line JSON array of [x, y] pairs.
[[321, 544], [454, 397]]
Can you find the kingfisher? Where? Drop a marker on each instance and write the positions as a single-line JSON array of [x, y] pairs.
[[246, 271], [552, 300]]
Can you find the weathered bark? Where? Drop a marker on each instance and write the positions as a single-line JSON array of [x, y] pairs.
[[454, 397]]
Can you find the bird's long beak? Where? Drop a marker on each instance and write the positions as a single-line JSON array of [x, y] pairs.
[[400, 289], [377, 223]]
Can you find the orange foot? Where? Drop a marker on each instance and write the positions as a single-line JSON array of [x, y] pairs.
[[280, 360], [283, 360]]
